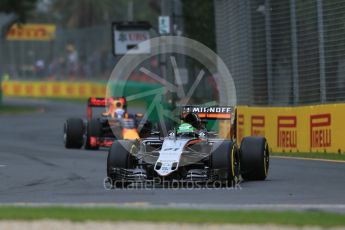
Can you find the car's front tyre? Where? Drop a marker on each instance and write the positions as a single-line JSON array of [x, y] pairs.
[[225, 160], [119, 157]]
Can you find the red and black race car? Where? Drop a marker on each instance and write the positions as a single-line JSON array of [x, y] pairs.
[[113, 123]]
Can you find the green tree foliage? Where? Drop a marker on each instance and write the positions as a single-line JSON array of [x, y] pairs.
[[199, 21], [84, 13], [22, 8], [87, 13]]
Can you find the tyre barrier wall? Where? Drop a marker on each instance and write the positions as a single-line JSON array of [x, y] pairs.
[[318, 128], [74, 90], [140, 93], [0, 92]]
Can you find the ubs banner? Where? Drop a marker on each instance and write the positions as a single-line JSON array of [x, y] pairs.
[[317, 128]]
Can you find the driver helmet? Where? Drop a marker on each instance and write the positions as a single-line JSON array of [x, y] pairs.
[[119, 113], [185, 128], [193, 119]]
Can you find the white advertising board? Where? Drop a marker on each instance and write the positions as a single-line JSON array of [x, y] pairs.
[[125, 40]]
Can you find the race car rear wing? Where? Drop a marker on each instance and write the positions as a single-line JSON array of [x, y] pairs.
[[209, 112], [103, 102], [226, 114]]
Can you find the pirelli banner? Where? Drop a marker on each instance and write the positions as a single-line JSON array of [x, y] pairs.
[[53, 89], [317, 128], [31, 32]]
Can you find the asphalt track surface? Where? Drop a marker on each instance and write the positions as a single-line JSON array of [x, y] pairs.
[[35, 168]]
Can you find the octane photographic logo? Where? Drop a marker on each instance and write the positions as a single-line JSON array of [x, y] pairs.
[[171, 48], [161, 183]]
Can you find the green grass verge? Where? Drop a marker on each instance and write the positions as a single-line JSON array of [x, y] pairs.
[[327, 156], [12, 109], [322, 219]]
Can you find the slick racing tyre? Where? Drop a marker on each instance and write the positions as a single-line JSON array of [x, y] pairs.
[[94, 129], [119, 157], [254, 156], [73, 133], [225, 159]]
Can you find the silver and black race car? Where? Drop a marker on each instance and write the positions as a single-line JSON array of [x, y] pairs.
[[189, 153]]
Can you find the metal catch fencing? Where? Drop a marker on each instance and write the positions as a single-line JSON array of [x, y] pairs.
[[285, 52], [74, 54]]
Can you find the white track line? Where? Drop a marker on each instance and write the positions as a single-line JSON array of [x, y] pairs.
[[340, 207], [308, 159]]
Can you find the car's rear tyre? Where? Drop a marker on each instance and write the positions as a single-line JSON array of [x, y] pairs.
[[225, 159], [119, 157], [73, 133], [254, 155], [94, 129]]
